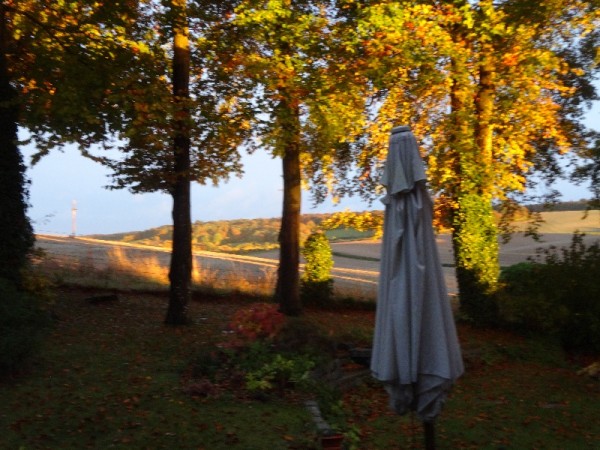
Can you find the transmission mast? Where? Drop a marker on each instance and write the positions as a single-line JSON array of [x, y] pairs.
[[74, 219]]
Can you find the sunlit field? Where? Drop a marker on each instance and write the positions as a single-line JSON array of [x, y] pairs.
[[110, 265], [121, 268], [119, 265]]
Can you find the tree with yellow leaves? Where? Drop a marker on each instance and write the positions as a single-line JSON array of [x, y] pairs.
[[486, 88], [305, 111]]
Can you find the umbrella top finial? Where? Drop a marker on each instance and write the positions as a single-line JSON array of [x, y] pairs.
[[404, 166], [400, 129]]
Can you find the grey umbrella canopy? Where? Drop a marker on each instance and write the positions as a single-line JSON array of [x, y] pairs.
[[416, 353]]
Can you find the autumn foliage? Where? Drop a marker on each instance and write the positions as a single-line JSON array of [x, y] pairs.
[[495, 92], [256, 322]]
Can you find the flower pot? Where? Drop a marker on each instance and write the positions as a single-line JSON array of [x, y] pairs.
[[333, 442]]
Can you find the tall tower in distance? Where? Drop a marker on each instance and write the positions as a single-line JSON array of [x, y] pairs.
[[74, 219]]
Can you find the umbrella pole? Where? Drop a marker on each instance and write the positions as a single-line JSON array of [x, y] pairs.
[[429, 429]]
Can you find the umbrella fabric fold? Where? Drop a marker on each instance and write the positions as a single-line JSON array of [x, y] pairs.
[[416, 354]]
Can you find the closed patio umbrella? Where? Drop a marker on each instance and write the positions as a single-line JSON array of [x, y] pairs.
[[416, 353]]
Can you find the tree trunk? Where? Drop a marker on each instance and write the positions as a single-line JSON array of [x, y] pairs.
[[474, 233], [475, 246], [477, 233], [484, 109], [180, 272], [288, 281], [16, 234]]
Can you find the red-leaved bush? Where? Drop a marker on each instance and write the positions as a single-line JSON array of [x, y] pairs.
[[257, 321]]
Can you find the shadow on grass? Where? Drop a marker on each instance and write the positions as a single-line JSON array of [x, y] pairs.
[[110, 375]]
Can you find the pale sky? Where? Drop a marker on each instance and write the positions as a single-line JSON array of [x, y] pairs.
[[63, 177]]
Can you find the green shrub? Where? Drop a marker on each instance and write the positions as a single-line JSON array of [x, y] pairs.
[[281, 371], [558, 294], [523, 302], [316, 283], [22, 324]]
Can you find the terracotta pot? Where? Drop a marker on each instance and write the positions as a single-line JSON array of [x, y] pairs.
[[333, 442]]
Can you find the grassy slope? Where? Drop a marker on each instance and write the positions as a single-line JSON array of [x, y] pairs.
[[111, 376]]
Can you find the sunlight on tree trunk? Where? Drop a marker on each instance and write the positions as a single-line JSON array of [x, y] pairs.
[[288, 282], [474, 232]]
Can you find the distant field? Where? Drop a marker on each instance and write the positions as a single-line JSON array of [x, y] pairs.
[[560, 222], [356, 261]]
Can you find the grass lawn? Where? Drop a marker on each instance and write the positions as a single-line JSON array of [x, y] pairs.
[[111, 375]]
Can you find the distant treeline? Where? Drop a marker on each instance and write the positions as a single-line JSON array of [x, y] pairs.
[[239, 236], [579, 205], [248, 235]]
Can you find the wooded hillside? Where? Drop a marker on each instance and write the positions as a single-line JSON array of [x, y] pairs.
[[247, 235], [239, 235]]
